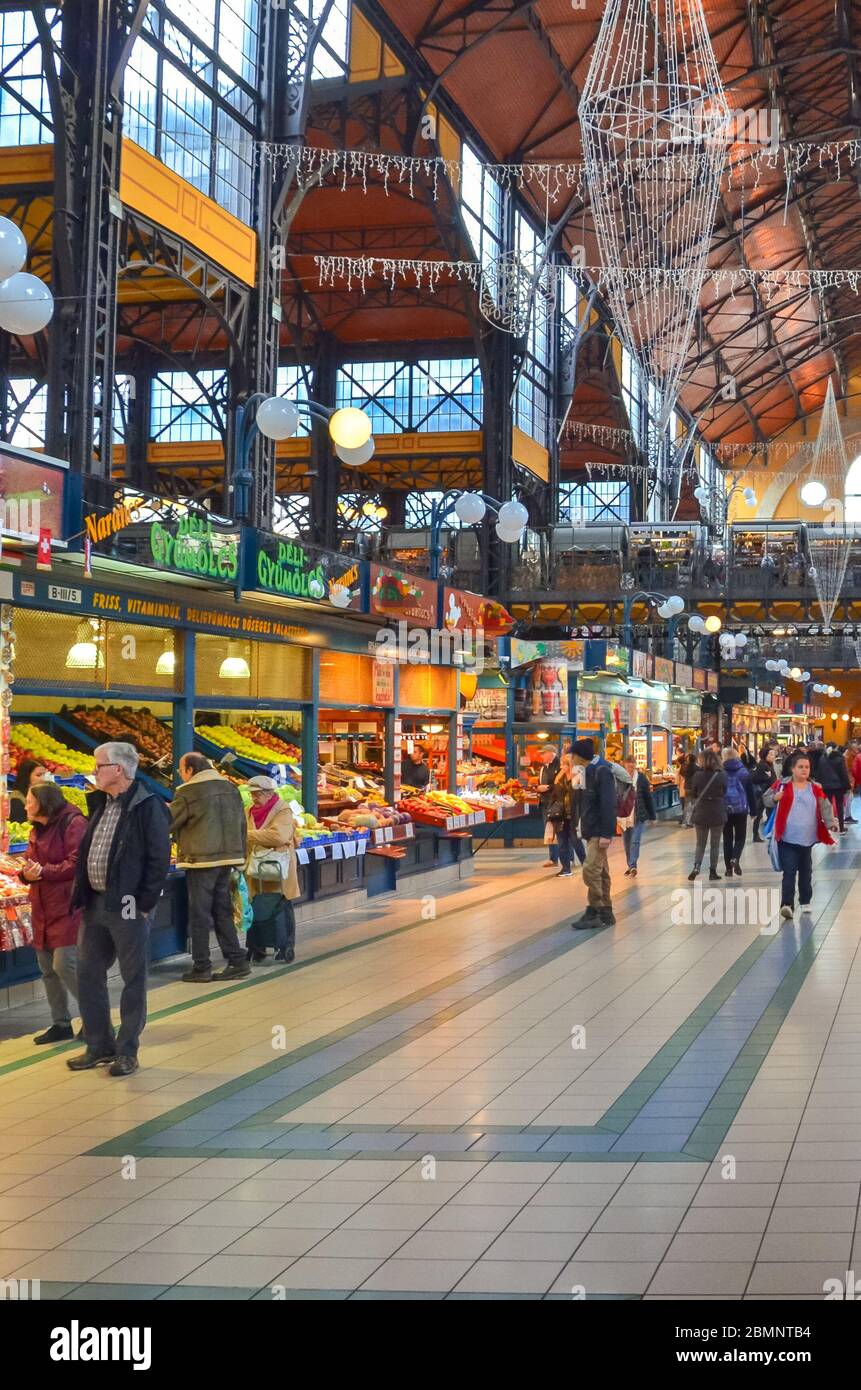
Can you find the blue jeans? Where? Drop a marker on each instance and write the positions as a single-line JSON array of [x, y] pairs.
[[569, 843], [631, 840], [795, 860]]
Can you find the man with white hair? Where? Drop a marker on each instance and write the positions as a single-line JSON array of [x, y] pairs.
[[123, 862]]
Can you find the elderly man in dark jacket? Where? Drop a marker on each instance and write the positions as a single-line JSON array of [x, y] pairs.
[[597, 827], [123, 862], [208, 824]]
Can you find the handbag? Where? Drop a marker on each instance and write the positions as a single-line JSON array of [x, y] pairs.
[[549, 833], [269, 865]]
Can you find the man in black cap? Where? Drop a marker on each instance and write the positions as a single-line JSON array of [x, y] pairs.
[[597, 827]]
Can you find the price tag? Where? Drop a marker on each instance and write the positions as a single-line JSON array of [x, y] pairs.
[[349, 848], [302, 856], [360, 783], [410, 831], [388, 833], [362, 846], [319, 851], [337, 848]]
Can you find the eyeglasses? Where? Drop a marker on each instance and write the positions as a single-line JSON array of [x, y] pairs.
[[101, 766]]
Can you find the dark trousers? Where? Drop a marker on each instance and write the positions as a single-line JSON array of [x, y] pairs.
[[837, 802], [569, 843], [711, 833], [106, 937], [757, 821], [734, 836], [795, 861], [210, 909]]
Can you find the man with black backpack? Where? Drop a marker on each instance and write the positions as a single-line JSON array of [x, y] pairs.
[[601, 809]]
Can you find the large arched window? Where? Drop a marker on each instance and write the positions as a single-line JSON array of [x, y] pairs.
[[853, 492]]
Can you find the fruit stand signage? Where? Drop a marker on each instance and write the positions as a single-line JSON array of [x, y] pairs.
[[398, 595], [461, 609], [195, 545], [293, 570]]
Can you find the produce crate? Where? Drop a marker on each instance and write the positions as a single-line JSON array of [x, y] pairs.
[[449, 823]]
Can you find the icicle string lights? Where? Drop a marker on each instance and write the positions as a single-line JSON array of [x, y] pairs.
[[349, 168], [828, 541]]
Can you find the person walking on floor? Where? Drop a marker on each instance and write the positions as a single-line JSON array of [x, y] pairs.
[[597, 827], [548, 772], [740, 803], [272, 835], [208, 825], [709, 813], [49, 870], [123, 862], [686, 777], [833, 779], [763, 776], [644, 810], [804, 817], [563, 812]]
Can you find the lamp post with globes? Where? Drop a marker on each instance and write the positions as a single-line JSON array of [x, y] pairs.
[[277, 418], [670, 608], [471, 508]]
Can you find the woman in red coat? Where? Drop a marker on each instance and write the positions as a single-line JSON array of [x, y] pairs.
[[49, 869]]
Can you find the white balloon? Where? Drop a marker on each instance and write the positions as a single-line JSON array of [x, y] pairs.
[[26, 304], [277, 418], [354, 458], [13, 248], [513, 516], [470, 508]]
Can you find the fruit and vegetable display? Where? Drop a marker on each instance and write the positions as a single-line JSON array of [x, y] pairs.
[[28, 741], [286, 793], [281, 751], [137, 726], [514, 789], [336, 783], [15, 925], [437, 808], [233, 741]]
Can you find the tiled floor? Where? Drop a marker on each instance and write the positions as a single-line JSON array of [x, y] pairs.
[[483, 1104]]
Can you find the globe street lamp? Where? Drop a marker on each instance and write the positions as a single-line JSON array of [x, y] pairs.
[[670, 608], [470, 508], [26, 303], [277, 418]]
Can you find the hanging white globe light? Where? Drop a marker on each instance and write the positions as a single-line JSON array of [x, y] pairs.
[[771, 665], [470, 508], [513, 516], [508, 534], [696, 624], [749, 496], [13, 248], [795, 673], [354, 458], [741, 639], [713, 624], [701, 493], [813, 493], [26, 304], [277, 418]]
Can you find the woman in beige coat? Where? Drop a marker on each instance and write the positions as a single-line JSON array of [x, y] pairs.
[[272, 826]]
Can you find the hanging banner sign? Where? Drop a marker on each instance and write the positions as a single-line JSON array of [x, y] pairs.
[[699, 678], [195, 545], [490, 706], [684, 675], [43, 554], [398, 595], [33, 494], [639, 663], [286, 567], [664, 670], [383, 683], [461, 609], [572, 652]]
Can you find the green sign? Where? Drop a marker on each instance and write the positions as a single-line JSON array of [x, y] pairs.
[[194, 546], [289, 570]]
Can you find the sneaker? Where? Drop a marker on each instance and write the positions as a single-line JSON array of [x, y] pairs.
[[194, 977], [564, 873], [786, 913], [58, 1032], [693, 873], [590, 918], [233, 972], [88, 1060], [123, 1066], [844, 831], [736, 868], [606, 916], [714, 876], [806, 910]]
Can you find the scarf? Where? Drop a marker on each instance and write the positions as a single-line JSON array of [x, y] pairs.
[[259, 813]]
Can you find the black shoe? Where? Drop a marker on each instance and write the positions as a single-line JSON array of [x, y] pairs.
[[590, 918], [285, 957], [693, 873], [736, 868], [197, 977], [88, 1060], [758, 840], [256, 957], [606, 916], [58, 1032], [233, 972], [714, 876], [123, 1066], [564, 873], [79, 1036], [633, 872]]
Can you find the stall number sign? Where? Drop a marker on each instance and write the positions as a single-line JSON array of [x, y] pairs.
[[289, 572]]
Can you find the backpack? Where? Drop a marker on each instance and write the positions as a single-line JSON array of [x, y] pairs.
[[626, 797], [736, 796]]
